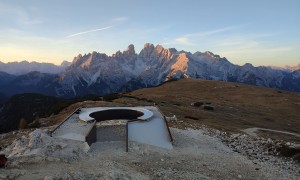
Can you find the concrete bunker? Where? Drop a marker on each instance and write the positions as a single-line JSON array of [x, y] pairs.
[[111, 124], [100, 124]]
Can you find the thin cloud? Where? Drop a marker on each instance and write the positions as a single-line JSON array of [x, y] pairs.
[[259, 49], [184, 41], [215, 31], [246, 39], [90, 31], [18, 14], [187, 38], [120, 19]]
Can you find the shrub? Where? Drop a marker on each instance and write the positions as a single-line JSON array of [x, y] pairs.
[[191, 117], [35, 123], [208, 107], [111, 97], [198, 104], [287, 151]]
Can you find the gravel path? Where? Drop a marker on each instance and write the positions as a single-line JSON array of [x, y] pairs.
[[252, 131]]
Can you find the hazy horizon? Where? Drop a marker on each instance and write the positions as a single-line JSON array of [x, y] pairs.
[[257, 32]]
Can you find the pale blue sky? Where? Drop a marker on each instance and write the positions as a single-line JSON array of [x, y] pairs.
[[261, 32]]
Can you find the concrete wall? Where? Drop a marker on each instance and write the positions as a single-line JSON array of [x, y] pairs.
[[111, 133], [92, 136], [153, 132]]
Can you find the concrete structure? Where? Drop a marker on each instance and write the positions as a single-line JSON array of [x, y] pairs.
[[141, 124]]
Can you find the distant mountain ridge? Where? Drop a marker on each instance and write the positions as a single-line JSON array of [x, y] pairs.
[[23, 67], [293, 68], [98, 73], [287, 68], [5, 78], [33, 82]]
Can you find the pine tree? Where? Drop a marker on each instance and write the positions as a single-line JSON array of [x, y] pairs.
[[22, 124]]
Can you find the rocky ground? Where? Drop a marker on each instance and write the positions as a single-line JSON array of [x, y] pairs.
[[260, 150], [197, 154]]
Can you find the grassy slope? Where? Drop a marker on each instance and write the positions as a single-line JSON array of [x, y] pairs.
[[237, 106]]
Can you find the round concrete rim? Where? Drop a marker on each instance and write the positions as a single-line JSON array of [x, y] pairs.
[[85, 116]]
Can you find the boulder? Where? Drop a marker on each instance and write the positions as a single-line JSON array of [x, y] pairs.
[[3, 160]]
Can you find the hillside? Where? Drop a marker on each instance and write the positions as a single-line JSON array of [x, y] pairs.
[[5, 78], [236, 106], [2, 99], [27, 106], [30, 106]]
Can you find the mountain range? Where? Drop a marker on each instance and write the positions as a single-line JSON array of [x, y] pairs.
[[23, 67], [98, 73]]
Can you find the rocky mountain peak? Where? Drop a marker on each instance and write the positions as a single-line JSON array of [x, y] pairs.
[[79, 56], [159, 47], [65, 64], [172, 50], [94, 53], [117, 54], [148, 45], [147, 50], [76, 58], [210, 54], [248, 66], [130, 50]]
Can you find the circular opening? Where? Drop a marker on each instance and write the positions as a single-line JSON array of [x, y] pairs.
[[112, 114]]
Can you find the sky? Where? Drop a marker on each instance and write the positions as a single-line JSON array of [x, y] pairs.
[[261, 32]]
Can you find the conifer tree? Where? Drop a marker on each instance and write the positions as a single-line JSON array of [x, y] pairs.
[[22, 124]]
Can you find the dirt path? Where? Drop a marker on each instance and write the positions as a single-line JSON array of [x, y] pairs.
[[252, 131], [195, 156]]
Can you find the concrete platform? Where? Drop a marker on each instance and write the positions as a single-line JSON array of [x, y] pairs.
[[149, 128], [73, 128]]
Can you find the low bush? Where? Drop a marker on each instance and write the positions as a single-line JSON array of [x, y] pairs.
[[191, 117], [208, 107], [198, 104]]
